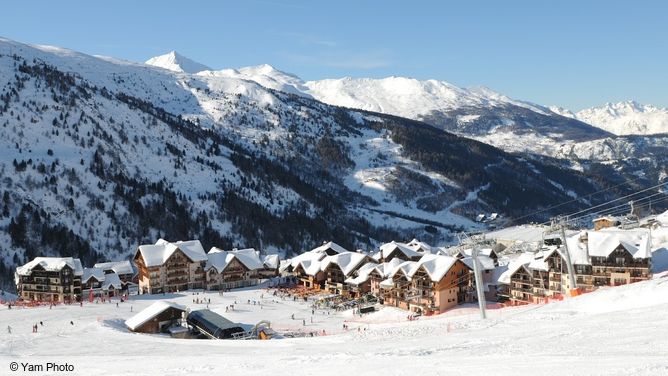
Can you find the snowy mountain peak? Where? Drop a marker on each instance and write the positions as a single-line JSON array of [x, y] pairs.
[[176, 62], [627, 117], [562, 111], [265, 75]]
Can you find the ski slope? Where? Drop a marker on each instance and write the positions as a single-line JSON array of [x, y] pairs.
[[613, 331]]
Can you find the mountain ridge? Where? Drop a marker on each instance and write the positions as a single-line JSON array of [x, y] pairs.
[[102, 155]]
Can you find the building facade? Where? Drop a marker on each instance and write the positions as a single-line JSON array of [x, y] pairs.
[[170, 267], [50, 279]]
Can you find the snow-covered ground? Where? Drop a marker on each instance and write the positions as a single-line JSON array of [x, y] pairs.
[[613, 331]]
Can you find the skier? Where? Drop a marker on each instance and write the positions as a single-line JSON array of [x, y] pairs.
[[72, 323], [41, 323], [130, 308], [9, 329]]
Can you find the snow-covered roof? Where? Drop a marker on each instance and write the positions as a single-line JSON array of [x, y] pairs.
[[284, 265], [387, 283], [310, 261], [468, 252], [404, 268], [310, 266], [636, 242], [249, 257], [577, 250], [330, 246], [486, 262], [663, 218], [219, 259], [498, 273], [53, 264], [362, 274], [150, 312], [193, 249], [119, 267], [538, 262], [445, 251], [436, 266], [387, 249], [156, 254], [271, 261], [348, 262], [387, 268], [96, 273], [310, 255], [112, 280], [521, 261], [419, 246]]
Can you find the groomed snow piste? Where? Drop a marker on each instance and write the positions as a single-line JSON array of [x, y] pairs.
[[613, 331]]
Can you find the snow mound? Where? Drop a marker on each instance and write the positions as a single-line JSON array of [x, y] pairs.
[[620, 298]]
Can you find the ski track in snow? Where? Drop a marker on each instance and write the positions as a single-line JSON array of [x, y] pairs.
[[614, 331]]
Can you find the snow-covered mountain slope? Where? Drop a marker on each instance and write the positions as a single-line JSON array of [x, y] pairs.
[[626, 118], [406, 97], [265, 75], [614, 331], [177, 63], [479, 113], [101, 155]]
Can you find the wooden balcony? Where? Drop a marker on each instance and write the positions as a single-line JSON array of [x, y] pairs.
[[177, 272], [176, 281], [525, 290]]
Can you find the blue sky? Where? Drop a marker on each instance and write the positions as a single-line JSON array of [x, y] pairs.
[[571, 53]]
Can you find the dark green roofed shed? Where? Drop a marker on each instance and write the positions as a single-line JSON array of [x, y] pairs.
[[212, 324]]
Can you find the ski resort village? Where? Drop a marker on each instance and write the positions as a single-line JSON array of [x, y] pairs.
[[549, 280], [173, 205]]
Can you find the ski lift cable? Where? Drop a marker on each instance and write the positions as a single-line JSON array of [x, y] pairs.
[[638, 203], [617, 199], [574, 200], [515, 219], [609, 202], [623, 210]]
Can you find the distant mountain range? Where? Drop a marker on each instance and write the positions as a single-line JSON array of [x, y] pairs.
[[425, 100], [623, 118]]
